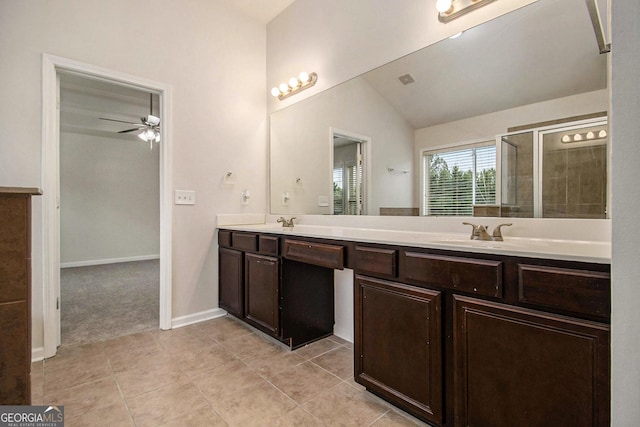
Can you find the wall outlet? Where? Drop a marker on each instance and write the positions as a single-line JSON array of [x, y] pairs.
[[185, 197], [323, 201]]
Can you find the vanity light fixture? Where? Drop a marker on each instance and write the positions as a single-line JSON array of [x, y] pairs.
[[295, 85], [448, 10], [588, 136]]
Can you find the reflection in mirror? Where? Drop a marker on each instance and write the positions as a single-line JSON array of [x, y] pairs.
[[574, 172], [567, 178], [349, 170], [539, 63], [517, 172]]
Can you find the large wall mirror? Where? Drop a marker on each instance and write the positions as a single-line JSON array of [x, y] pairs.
[[508, 119]]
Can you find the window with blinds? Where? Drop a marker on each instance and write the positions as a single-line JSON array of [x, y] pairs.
[[338, 191], [347, 190], [456, 180]]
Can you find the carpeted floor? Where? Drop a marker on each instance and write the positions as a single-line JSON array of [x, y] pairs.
[[106, 301]]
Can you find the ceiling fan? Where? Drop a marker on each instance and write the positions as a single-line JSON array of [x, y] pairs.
[[149, 125]]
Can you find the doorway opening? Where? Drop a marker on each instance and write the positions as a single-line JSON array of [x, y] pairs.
[[349, 175], [109, 211], [56, 69]]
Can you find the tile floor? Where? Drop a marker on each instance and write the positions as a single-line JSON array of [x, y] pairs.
[[215, 373]]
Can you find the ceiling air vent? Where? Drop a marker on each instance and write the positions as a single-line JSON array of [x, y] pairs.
[[406, 79]]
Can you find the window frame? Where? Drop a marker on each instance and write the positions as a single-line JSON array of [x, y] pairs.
[[478, 143]]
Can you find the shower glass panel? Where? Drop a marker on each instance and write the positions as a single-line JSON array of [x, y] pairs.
[[574, 172], [517, 175]]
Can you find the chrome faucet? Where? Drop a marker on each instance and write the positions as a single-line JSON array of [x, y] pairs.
[[479, 232], [285, 222]]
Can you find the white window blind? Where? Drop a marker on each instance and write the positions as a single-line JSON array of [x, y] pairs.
[[455, 180], [338, 191]]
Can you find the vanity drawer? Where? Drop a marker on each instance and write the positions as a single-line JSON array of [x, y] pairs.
[[224, 238], [481, 277], [578, 291], [244, 241], [376, 261], [321, 254], [268, 245]]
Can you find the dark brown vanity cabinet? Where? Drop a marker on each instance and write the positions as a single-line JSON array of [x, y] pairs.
[[231, 281], [519, 367], [399, 344], [455, 338], [262, 293], [460, 339], [286, 293]]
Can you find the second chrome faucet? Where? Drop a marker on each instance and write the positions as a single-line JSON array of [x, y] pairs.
[[286, 222], [479, 232]]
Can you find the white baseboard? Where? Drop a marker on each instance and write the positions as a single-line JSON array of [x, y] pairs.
[[201, 316], [37, 354], [108, 261], [345, 334]]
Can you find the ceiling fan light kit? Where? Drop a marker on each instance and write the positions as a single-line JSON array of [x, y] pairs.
[[149, 126]]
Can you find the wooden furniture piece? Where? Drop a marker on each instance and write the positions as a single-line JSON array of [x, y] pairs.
[[15, 295], [478, 339], [282, 286], [455, 338]]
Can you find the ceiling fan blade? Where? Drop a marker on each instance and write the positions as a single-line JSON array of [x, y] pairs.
[[119, 121], [129, 130]]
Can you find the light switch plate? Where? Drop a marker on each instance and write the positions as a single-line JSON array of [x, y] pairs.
[[185, 197], [323, 201]]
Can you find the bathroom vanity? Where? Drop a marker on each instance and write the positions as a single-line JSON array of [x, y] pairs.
[[454, 332]]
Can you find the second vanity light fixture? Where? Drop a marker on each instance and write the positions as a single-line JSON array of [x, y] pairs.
[[448, 10], [296, 84], [587, 136]]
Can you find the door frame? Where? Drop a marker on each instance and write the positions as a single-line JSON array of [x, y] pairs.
[[365, 152], [51, 67]]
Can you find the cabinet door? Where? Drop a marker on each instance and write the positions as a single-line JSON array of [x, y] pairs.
[[398, 345], [521, 367], [262, 293], [231, 282]]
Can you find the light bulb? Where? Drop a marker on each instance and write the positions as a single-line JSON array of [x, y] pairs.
[[443, 6], [577, 137], [602, 134], [566, 138], [284, 88], [293, 82], [304, 77], [590, 135], [275, 91]]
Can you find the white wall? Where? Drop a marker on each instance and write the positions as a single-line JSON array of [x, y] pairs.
[[213, 58], [625, 140], [109, 200]]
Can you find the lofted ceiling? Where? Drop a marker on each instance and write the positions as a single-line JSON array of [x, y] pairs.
[[543, 51], [261, 10]]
